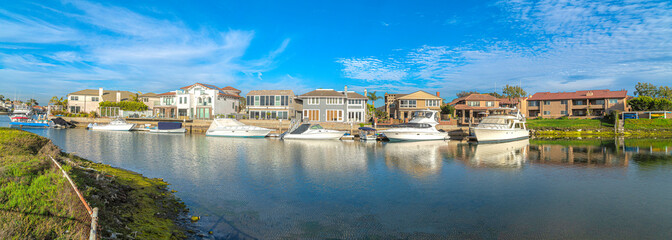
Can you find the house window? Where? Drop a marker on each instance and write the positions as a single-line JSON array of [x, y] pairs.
[[599, 102], [613, 101], [533, 103], [355, 116], [563, 112], [473, 103], [408, 103], [74, 98], [547, 102], [313, 101], [180, 100], [278, 102], [75, 109], [547, 112], [209, 99], [312, 115], [563, 102], [334, 101], [578, 102], [334, 115], [490, 104], [256, 100], [94, 99], [432, 103], [354, 102]]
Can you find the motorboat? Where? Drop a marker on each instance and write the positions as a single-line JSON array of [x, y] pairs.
[[22, 116], [367, 134], [117, 124], [421, 127], [313, 132], [168, 127], [501, 124], [226, 127]]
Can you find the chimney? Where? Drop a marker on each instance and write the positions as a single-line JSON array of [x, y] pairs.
[[366, 94], [589, 94], [438, 94], [100, 93], [118, 96], [346, 91]]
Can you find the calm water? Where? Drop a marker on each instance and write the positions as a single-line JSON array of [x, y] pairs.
[[270, 189]]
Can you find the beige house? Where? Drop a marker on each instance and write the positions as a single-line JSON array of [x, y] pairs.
[[87, 100], [402, 106], [576, 104], [150, 99], [273, 104]]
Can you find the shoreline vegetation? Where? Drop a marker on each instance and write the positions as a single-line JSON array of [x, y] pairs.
[[596, 128], [37, 203]]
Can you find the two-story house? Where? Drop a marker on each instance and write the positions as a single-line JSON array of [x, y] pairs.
[[198, 101], [272, 104], [579, 103], [328, 105], [150, 99], [402, 106], [88, 100], [471, 108]]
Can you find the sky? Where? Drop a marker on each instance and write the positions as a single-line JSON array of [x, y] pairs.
[[51, 48]]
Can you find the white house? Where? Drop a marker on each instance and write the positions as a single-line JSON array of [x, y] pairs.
[[198, 101]]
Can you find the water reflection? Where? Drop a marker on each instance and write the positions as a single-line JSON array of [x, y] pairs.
[[419, 159], [496, 155]]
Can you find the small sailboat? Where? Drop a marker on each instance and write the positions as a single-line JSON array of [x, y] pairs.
[[168, 127], [420, 128], [226, 127], [313, 132], [117, 124]]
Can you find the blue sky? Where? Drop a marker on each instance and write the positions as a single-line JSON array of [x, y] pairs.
[[51, 48]]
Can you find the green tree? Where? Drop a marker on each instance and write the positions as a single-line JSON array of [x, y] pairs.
[[646, 103], [242, 104], [2, 98], [646, 89], [136, 97], [373, 97], [32, 102], [513, 91], [496, 94], [465, 93], [447, 109], [665, 92]]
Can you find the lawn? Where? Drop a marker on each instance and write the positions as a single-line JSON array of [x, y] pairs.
[[648, 124], [568, 124]]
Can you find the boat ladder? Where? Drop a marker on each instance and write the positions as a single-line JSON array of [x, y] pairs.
[[293, 124]]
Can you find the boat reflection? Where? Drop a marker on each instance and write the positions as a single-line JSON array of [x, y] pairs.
[[419, 159], [500, 155]]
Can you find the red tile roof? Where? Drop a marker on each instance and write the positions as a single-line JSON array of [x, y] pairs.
[[166, 94], [587, 94], [475, 97], [230, 88]]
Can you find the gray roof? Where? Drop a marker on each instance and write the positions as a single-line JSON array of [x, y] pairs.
[[322, 93], [108, 95], [354, 95], [149, 95], [271, 92]]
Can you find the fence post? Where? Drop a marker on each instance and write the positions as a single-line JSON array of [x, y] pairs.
[[94, 224]]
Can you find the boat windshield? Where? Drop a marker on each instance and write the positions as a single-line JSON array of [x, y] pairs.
[[496, 121], [316, 126], [422, 114]]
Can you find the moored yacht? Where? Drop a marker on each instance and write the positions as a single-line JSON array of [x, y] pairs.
[[117, 124], [22, 116], [501, 124], [421, 128], [168, 127], [226, 127], [312, 131]]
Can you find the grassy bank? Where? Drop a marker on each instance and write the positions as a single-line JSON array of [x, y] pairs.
[[37, 203], [568, 124], [648, 124]]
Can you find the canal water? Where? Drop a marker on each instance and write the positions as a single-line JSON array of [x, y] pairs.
[[272, 189]]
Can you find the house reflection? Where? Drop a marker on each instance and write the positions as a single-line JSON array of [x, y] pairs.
[[419, 159]]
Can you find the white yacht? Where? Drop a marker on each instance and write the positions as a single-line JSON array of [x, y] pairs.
[[421, 128], [313, 132], [502, 124], [226, 127], [117, 124]]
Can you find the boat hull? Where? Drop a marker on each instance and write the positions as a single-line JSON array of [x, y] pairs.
[[416, 136], [316, 136], [179, 130], [121, 127], [30, 124], [500, 135], [261, 133]]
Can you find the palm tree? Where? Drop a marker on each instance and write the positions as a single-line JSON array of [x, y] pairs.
[[136, 97], [2, 98], [372, 96], [32, 102]]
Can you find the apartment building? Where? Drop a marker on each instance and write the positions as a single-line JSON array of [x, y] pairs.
[[198, 101], [88, 100], [273, 104], [328, 105], [402, 106], [580, 103]]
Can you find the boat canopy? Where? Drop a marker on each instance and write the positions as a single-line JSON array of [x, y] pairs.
[[411, 125], [500, 121], [169, 125], [316, 126], [367, 129]]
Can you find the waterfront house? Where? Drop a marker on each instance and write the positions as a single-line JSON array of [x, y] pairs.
[[402, 106], [273, 104], [88, 100], [328, 105], [150, 99], [473, 107], [576, 104], [198, 101]]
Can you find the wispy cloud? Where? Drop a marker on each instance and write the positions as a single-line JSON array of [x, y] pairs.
[[608, 44], [373, 69], [107, 43]]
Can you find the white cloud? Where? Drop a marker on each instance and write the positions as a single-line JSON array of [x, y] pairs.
[[372, 69]]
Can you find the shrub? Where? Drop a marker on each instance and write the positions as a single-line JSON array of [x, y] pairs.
[[564, 118], [125, 105]]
